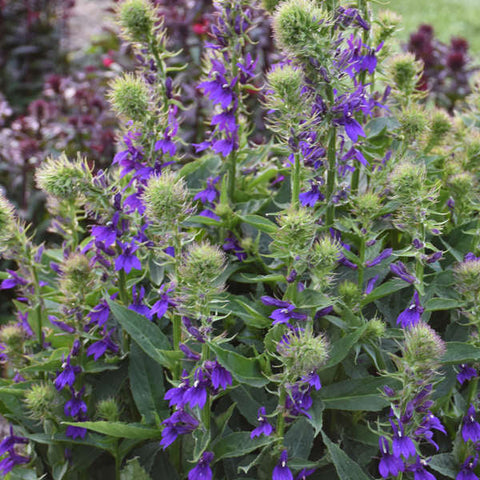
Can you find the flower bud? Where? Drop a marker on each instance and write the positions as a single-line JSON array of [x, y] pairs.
[[374, 332], [302, 352], [388, 23], [366, 207], [130, 97], [296, 234], [473, 149], [13, 337], [137, 19], [467, 278], [77, 277], [270, 5], [404, 72], [7, 222], [422, 348], [201, 266], [62, 178], [349, 292], [408, 179], [166, 200], [40, 400], [286, 82], [440, 125], [107, 409], [413, 122], [299, 28]]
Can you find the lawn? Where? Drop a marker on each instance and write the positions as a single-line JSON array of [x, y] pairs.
[[449, 18]]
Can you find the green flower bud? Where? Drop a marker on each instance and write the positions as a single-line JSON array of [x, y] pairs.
[[286, 82], [375, 330], [473, 150], [404, 72], [13, 337], [166, 200], [366, 207], [77, 277], [107, 409], [302, 352], [7, 222], [422, 348], [413, 122], [201, 266], [137, 19], [408, 179], [349, 292], [388, 23], [462, 183], [130, 97], [326, 252], [270, 5], [295, 237], [440, 125], [299, 28], [467, 276], [40, 399], [63, 179]]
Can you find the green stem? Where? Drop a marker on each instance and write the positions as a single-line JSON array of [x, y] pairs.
[[281, 416], [355, 179], [295, 181], [122, 287], [361, 266], [232, 172], [331, 175], [472, 391], [118, 462], [38, 308]]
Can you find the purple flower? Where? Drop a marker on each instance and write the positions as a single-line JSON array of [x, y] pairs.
[[7, 446], [465, 373], [75, 432], [304, 473], [67, 376], [75, 406], [371, 285], [210, 193], [220, 377], [202, 471], [99, 314], [470, 427], [218, 89], [283, 314], [137, 304], [310, 198], [179, 423], [231, 245], [160, 307], [400, 270], [281, 470], [127, 260], [107, 235], [197, 393], [225, 146], [313, 380], [466, 473], [61, 325], [411, 316], [401, 444], [418, 469], [13, 281], [298, 400], [430, 422], [98, 348], [389, 464], [264, 428], [225, 121], [176, 394], [379, 258]]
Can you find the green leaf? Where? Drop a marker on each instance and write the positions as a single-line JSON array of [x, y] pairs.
[[435, 304], [355, 394], [91, 440], [146, 385], [202, 439], [146, 334], [459, 352], [134, 471], [299, 439], [243, 369], [203, 220], [341, 348], [444, 463], [309, 298], [238, 444], [316, 416], [252, 317], [385, 289], [260, 223], [119, 429], [346, 468], [253, 278]]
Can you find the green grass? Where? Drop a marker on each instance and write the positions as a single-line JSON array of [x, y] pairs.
[[448, 17]]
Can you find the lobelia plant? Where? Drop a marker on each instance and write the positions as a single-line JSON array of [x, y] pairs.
[[303, 307]]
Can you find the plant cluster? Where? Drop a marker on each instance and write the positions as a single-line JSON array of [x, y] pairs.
[[447, 69], [304, 306]]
